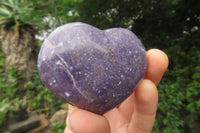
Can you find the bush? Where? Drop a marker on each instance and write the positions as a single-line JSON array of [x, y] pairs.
[[36, 98], [179, 91]]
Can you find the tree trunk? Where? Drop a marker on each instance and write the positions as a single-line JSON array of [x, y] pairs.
[[19, 47]]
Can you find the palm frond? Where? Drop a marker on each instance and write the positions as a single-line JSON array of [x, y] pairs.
[[4, 11], [13, 10], [5, 21], [18, 11]]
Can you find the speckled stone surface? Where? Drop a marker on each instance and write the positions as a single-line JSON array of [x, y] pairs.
[[91, 68]]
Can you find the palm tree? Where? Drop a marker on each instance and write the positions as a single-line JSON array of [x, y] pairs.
[[18, 41]]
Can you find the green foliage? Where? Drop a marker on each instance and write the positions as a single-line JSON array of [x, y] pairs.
[[179, 106], [39, 97], [7, 90], [58, 127], [12, 11], [4, 107]]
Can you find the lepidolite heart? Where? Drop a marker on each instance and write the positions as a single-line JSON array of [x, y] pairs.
[[90, 68]]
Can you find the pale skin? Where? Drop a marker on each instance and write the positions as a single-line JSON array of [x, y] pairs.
[[136, 114]]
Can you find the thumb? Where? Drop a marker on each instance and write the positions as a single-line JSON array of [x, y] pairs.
[[82, 121]]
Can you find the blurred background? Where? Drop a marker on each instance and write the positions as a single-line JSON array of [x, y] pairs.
[[170, 25]]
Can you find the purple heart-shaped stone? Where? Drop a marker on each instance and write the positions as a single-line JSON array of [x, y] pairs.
[[90, 68]]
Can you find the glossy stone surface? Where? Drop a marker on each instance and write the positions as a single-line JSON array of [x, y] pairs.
[[90, 68]]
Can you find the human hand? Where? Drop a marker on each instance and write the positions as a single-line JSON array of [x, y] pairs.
[[135, 115]]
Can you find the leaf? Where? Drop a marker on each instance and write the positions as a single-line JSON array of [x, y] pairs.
[[5, 21], [4, 12]]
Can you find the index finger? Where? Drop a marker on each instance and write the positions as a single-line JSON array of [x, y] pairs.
[[157, 63]]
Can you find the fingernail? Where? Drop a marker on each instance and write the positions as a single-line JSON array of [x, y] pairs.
[[69, 128], [70, 110]]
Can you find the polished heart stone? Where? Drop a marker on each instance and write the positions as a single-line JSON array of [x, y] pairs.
[[90, 68]]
